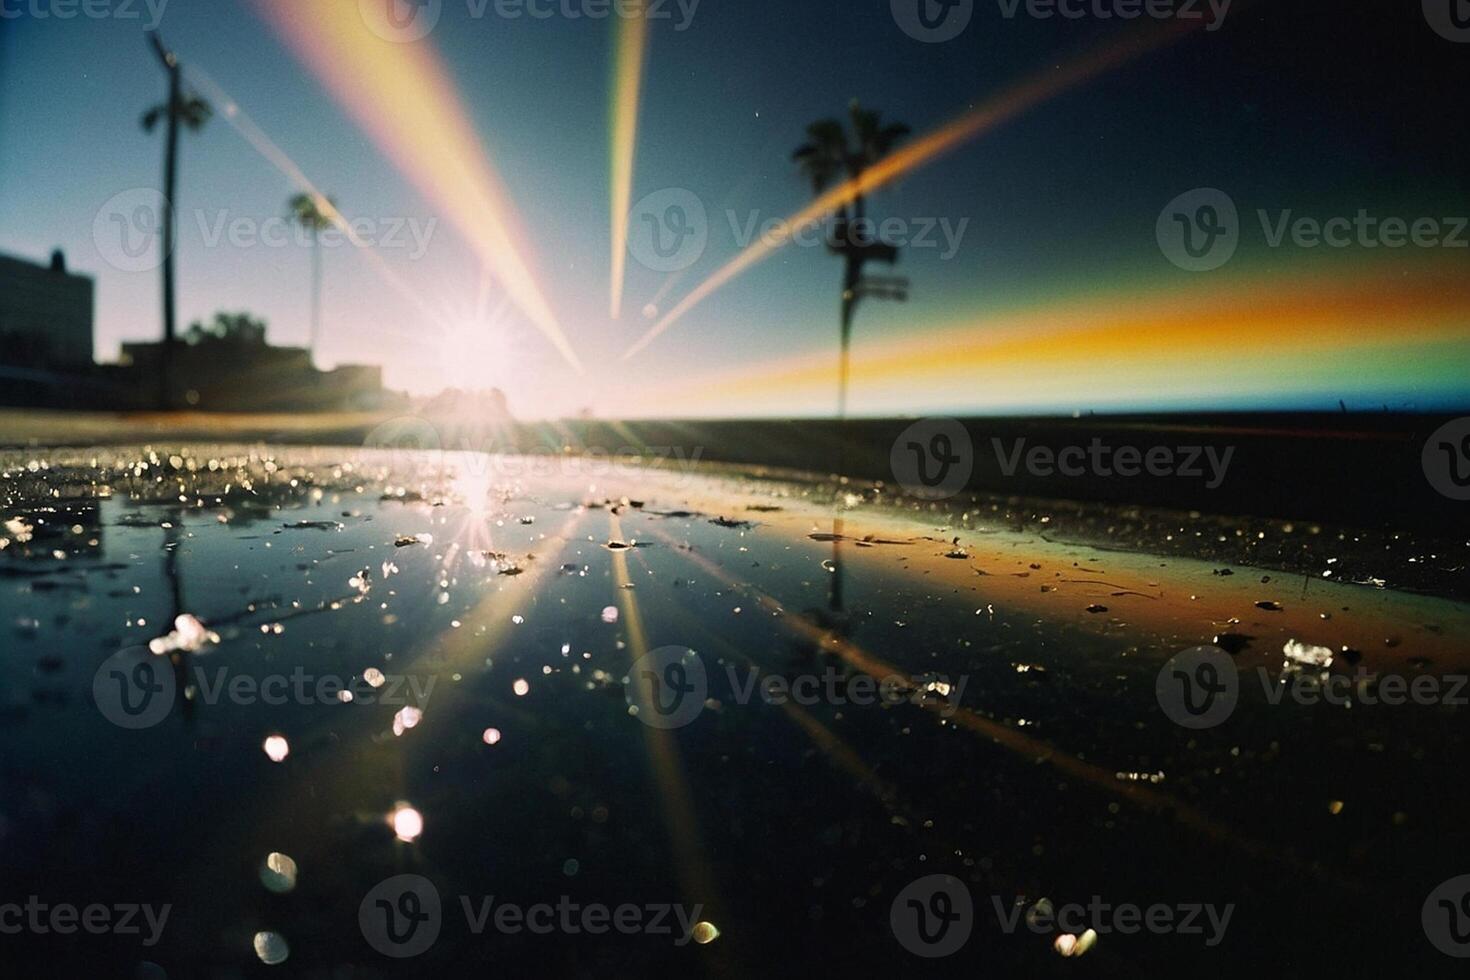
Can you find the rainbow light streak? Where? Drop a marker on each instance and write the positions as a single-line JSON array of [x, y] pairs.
[[1253, 337], [629, 59], [402, 97]]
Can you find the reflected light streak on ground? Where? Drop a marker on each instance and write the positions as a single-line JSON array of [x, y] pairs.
[[663, 752]]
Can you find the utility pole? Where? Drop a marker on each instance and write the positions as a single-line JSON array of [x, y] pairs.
[[175, 103]]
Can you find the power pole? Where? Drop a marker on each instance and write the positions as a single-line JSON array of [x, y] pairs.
[[171, 65]]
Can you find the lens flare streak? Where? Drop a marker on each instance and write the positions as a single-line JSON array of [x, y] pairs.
[[402, 97], [628, 64]]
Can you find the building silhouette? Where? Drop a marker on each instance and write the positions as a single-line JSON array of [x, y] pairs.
[[45, 315], [46, 358]]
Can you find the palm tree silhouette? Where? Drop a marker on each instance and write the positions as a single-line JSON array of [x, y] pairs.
[[831, 154], [193, 112], [312, 212]]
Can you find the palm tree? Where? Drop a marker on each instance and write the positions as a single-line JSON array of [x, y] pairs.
[[312, 212], [193, 112], [832, 154]]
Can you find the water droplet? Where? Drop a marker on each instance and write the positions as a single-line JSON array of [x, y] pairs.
[[407, 822], [406, 718], [278, 873], [271, 948], [276, 748]]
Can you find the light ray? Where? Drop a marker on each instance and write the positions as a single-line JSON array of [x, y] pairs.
[[629, 59], [241, 122], [1001, 109], [403, 98], [663, 751]]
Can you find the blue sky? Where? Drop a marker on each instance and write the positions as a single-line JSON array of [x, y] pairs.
[[1061, 202]]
